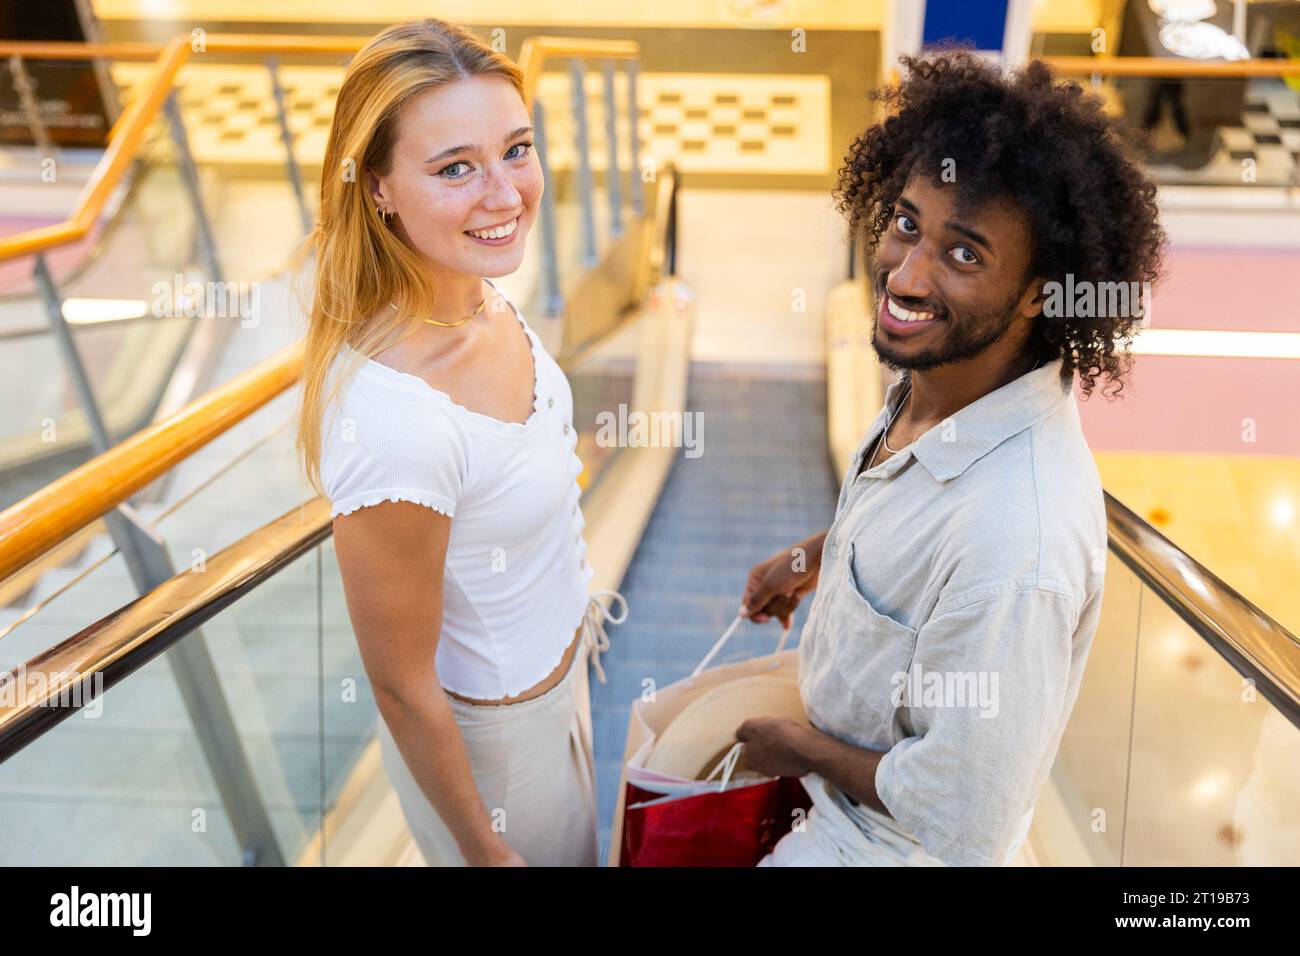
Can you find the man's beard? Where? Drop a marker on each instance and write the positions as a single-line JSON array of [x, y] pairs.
[[962, 340]]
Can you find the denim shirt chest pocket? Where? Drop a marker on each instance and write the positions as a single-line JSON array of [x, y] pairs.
[[865, 651]]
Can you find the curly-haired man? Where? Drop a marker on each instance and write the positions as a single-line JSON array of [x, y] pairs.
[[959, 587]]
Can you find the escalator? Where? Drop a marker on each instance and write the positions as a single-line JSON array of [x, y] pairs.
[[275, 627], [1162, 713], [248, 732], [242, 732], [762, 483]]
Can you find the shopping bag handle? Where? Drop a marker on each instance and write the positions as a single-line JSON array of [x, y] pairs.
[[726, 636], [727, 765]]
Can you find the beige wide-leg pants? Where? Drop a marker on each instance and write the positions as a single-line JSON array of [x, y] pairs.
[[533, 765]]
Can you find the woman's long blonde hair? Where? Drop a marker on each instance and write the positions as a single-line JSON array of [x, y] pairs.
[[361, 264]]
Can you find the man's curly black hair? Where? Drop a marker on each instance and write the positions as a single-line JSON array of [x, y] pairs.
[[1045, 145]]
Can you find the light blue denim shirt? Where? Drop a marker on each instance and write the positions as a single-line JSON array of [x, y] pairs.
[[960, 588]]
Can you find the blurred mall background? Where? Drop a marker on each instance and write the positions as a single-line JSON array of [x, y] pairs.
[[155, 185]]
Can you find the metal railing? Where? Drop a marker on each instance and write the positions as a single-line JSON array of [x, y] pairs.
[[116, 647], [532, 56], [1257, 647], [103, 486], [166, 619], [50, 517]]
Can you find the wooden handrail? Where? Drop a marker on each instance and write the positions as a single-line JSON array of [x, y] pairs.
[[38, 50], [108, 172], [49, 516], [1164, 67], [129, 130], [131, 127], [535, 51], [211, 43], [53, 514]]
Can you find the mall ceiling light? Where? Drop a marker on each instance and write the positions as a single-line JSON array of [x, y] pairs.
[[96, 311], [1214, 343]]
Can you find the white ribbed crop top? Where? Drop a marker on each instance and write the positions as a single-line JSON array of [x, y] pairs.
[[515, 579]]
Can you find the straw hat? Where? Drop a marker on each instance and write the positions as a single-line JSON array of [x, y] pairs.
[[698, 737]]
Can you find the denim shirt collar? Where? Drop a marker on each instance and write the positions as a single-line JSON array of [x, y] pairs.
[[978, 428]]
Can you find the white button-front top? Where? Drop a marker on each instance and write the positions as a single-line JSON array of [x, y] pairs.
[[515, 580]]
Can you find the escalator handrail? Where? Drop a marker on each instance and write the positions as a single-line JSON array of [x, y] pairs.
[[53, 514], [129, 131], [125, 640], [1254, 644], [122, 642]]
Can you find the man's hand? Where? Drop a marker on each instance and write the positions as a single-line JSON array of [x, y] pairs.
[[781, 747], [777, 585], [775, 746]]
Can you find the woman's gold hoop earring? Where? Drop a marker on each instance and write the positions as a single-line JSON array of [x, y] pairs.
[[383, 214]]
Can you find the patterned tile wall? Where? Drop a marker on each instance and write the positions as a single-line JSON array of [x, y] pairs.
[[706, 122]]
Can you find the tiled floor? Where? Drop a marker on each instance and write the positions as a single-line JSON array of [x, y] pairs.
[[1270, 124], [1263, 148]]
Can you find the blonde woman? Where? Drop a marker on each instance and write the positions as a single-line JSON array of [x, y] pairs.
[[442, 433]]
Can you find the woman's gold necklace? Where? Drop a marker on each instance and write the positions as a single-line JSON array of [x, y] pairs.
[[452, 325]]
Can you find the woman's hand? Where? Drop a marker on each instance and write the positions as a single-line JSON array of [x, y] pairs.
[[497, 853], [777, 585]]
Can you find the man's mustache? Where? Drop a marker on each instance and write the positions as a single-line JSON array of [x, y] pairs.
[[880, 281]]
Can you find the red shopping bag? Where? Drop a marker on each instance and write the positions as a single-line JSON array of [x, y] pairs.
[[729, 826], [736, 827]]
